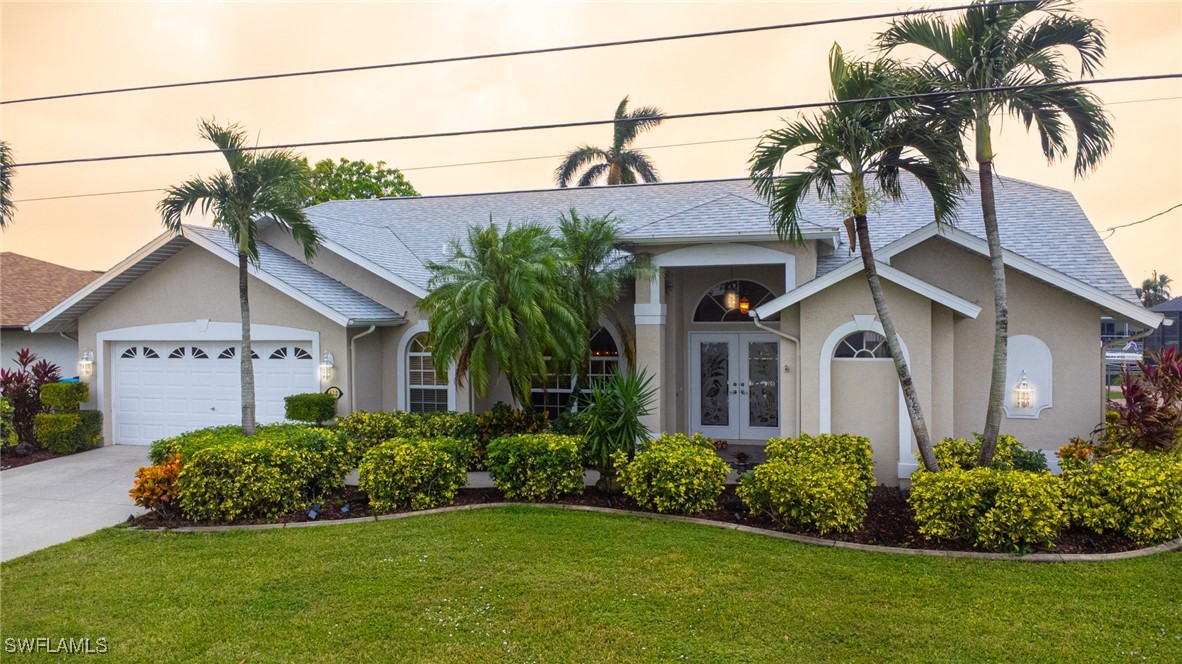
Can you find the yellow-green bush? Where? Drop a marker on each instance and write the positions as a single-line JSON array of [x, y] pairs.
[[417, 474], [817, 483], [1138, 494], [1009, 454], [675, 473], [246, 480], [539, 466], [989, 508], [827, 449], [365, 430], [59, 433]]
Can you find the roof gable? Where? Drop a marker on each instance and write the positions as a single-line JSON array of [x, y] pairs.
[[29, 287]]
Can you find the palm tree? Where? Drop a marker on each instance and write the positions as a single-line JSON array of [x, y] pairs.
[[995, 45], [1154, 290], [622, 164], [7, 208], [501, 300], [268, 184], [596, 270], [856, 152]]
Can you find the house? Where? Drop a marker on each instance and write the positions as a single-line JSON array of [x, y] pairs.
[[1168, 335], [28, 288], [746, 337]]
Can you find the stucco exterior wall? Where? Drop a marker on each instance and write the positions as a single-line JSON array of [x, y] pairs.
[[53, 347], [1068, 324], [192, 285], [859, 387]]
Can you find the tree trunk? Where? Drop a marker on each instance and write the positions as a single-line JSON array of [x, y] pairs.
[[918, 426], [247, 364], [1001, 314]]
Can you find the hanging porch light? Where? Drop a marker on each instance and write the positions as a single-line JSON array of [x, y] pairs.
[[744, 305], [731, 299]]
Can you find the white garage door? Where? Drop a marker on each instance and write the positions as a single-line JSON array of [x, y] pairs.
[[165, 388]]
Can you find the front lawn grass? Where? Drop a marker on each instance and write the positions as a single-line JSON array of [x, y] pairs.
[[530, 584]]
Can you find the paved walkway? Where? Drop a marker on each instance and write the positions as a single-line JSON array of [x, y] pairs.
[[54, 501]]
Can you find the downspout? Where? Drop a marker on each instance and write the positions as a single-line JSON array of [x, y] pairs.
[[789, 337], [352, 366], [1104, 361]]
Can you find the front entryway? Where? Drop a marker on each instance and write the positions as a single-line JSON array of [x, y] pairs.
[[735, 385]]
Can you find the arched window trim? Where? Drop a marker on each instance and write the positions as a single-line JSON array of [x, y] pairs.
[[597, 366], [768, 296], [862, 345], [403, 399]]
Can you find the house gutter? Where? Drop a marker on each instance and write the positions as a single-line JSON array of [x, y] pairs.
[[789, 337], [352, 368]]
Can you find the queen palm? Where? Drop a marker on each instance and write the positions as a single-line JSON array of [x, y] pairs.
[[619, 163], [7, 208], [260, 184], [856, 152], [996, 45], [501, 300]]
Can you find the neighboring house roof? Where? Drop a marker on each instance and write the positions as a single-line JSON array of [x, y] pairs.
[[293, 277], [29, 287], [1169, 306], [399, 236]]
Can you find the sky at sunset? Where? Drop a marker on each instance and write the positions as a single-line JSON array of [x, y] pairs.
[[69, 47]]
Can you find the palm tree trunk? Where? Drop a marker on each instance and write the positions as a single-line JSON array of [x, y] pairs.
[[1001, 314], [247, 363], [910, 397]]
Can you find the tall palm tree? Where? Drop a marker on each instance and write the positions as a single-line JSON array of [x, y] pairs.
[[994, 45], [597, 268], [856, 153], [259, 184], [501, 299], [620, 163], [1154, 290], [7, 208]]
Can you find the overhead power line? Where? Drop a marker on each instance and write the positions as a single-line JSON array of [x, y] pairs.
[[506, 54], [1112, 230], [592, 123]]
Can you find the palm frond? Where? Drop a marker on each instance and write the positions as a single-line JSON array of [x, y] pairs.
[[632, 124], [230, 139], [1061, 30], [637, 162], [575, 161], [592, 174], [7, 172], [1089, 122]]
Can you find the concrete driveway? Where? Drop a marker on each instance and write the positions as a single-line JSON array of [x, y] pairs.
[[54, 501]]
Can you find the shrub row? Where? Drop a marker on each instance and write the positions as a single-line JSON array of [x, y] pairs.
[[420, 474], [542, 466], [314, 407], [67, 433], [1135, 493], [819, 483], [1009, 455], [675, 473]]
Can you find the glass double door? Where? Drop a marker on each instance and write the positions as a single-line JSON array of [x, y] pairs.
[[735, 385]]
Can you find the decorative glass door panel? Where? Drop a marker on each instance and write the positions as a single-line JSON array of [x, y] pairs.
[[734, 385]]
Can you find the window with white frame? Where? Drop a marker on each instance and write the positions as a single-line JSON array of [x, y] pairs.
[[426, 390], [554, 393], [862, 345]]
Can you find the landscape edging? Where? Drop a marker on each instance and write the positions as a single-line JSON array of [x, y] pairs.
[[1165, 547]]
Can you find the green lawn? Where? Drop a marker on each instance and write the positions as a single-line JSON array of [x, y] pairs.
[[528, 584]]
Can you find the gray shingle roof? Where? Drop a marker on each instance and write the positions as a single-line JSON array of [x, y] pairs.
[[306, 279], [402, 235]]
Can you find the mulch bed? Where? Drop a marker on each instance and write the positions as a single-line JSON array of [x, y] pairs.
[[9, 459], [889, 519]]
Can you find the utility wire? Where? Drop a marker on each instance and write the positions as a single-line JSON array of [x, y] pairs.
[[508, 54], [591, 123], [1112, 231], [512, 160]]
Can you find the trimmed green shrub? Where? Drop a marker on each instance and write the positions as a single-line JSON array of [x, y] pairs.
[[313, 407], [501, 420], [817, 483], [675, 474], [90, 427], [989, 508], [418, 475], [1138, 494], [246, 480], [366, 430], [540, 466], [65, 397], [328, 450], [59, 433], [7, 432], [1010, 454]]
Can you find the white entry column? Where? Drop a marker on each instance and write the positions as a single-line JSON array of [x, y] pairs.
[[650, 341]]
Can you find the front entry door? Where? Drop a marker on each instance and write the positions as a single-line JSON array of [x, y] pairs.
[[735, 385]]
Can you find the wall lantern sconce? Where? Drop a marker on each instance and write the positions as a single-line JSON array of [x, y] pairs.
[[86, 363], [744, 305], [1023, 396], [326, 364]]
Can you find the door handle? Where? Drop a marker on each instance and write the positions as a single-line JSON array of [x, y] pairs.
[[742, 391]]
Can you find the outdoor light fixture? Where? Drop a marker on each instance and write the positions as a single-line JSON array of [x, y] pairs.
[[1023, 396], [314, 511], [731, 299], [744, 305], [326, 366], [86, 363]]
